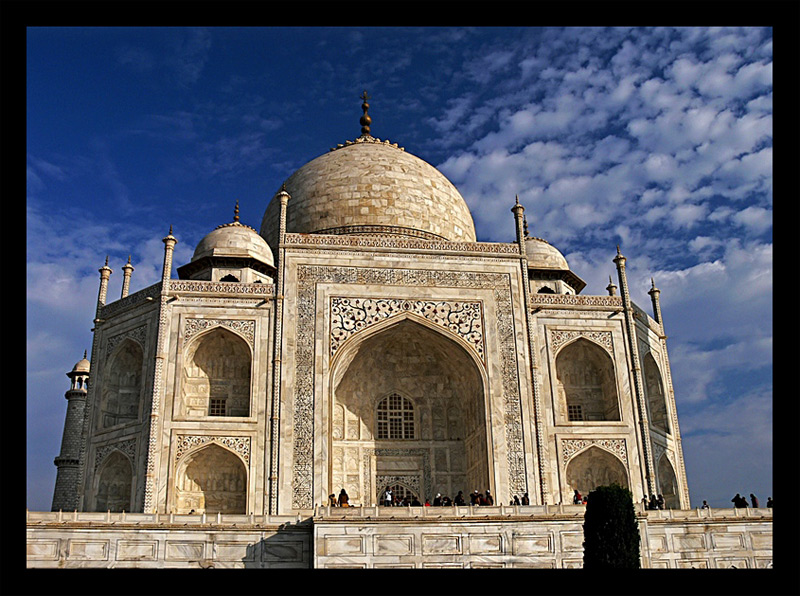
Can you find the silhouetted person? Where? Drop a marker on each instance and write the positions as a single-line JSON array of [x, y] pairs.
[[754, 501], [344, 499], [525, 499], [769, 502]]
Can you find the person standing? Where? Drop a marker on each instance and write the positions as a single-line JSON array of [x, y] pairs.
[[387, 497], [344, 500], [705, 505], [754, 501]]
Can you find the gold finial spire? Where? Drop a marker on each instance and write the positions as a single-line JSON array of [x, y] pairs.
[[365, 119], [236, 211], [525, 226]]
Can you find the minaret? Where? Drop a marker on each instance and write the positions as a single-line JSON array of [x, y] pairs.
[[541, 468], [127, 269], [612, 289], [65, 495], [638, 391], [284, 198], [654, 297], [150, 504], [169, 246], [105, 274]]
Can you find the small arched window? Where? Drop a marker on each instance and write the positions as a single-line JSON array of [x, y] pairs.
[[395, 418], [546, 290], [229, 277]]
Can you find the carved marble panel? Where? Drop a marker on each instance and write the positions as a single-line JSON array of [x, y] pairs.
[[350, 315], [245, 329]]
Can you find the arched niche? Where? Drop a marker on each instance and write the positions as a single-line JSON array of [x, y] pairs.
[[211, 479], [586, 383], [120, 395], [113, 483], [656, 399], [592, 468], [216, 375], [667, 483], [442, 386]]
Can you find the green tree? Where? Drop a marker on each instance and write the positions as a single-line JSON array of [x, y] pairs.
[[610, 532]]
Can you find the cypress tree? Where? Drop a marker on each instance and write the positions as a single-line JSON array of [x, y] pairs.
[[610, 532]]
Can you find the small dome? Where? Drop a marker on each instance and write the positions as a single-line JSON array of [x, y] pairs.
[[234, 240], [371, 187], [543, 255], [82, 366]]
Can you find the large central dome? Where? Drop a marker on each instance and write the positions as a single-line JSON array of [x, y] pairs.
[[370, 186]]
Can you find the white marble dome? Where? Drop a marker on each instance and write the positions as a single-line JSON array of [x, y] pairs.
[[370, 186], [82, 366], [234, 240], [543, 255]]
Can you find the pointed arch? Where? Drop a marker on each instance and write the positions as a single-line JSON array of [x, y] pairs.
[[654, 389], [210, 479], [114, 483], [593, 467], [438, 383], [217, 374], [667, 482], [586, 382], [121, 391]]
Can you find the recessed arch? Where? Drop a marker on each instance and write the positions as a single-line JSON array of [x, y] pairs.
[[114, 483], [667, 482], [216, 376], [210, 479], [654, 389], [586, 382], [593, 467], [444, 380], [120, 394]]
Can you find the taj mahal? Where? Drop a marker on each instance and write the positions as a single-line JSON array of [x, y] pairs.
[[363, 339]]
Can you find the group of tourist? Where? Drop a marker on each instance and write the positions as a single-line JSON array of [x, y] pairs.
[[389, 499], [655, 502], [477, 499], [739, 501]]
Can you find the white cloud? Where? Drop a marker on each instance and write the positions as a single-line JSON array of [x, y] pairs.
[[755, 219]]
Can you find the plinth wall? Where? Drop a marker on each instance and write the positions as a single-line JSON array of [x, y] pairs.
[[390, 537]]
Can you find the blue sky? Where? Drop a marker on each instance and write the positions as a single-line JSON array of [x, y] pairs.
[[657, 139]]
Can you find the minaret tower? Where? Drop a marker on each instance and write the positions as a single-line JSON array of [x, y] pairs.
[[127, 269], [65, 493]]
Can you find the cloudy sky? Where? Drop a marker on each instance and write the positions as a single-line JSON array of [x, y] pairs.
[[658, 140]]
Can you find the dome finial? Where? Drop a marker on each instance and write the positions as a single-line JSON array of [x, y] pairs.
[[365, 119], [236, 211]]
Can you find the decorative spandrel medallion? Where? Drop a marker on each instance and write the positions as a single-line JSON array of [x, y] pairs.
[[350, 315]]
